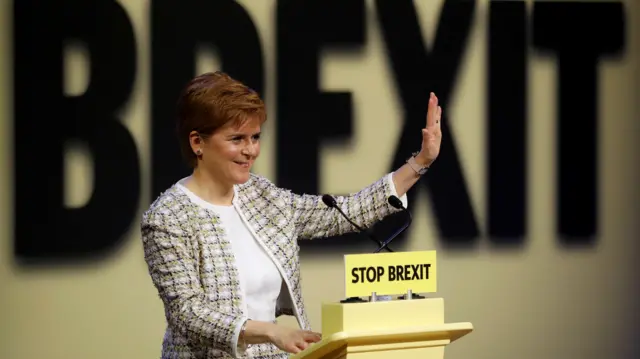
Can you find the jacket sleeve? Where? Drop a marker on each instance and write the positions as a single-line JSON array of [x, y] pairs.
[[175, 276], [313, 219]]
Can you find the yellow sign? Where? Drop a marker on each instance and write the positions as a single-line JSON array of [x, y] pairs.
[[390, 273]]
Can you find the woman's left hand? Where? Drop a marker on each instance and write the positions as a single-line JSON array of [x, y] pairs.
[[431, 134]]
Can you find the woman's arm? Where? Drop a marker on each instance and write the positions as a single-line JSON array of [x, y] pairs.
[[288, 339], [405, 177], [173, 272], [315, 220]]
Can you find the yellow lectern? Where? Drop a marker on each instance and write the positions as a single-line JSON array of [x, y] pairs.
[[409, 327]]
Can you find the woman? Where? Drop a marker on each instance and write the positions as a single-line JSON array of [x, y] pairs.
[[221, 245]]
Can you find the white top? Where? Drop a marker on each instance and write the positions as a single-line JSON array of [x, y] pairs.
[[260, 279]]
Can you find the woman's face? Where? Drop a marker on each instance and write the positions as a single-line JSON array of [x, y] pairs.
[[228, 154]]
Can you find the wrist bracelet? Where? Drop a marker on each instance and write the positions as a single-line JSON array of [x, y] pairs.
[[419, 169]]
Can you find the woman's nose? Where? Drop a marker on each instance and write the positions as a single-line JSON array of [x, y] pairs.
[[248, 150]]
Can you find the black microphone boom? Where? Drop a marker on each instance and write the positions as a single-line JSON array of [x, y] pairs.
[[396, 203], [329, 201]]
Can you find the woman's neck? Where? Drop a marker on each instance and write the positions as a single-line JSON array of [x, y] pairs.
[[209, 189]]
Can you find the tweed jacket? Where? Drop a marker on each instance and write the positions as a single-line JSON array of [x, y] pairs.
[[192, 266]]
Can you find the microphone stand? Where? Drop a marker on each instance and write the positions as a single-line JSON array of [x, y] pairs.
[[396, 203], [329, 201]]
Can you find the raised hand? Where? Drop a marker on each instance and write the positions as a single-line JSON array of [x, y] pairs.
[[431, 134]]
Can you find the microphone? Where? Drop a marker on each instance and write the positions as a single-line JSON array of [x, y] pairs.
[[396, 203], [330, 202]]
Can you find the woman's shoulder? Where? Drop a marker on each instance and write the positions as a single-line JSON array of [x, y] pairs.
[[166, 205], [260, 185], [263, 194]]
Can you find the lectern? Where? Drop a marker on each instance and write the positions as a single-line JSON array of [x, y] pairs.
[[410, 327]]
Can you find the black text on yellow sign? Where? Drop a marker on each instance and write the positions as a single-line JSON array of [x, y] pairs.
[[390, 273]]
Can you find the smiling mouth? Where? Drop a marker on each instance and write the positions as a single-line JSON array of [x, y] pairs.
[[242, 164]]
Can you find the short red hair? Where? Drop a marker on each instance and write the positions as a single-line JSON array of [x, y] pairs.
[[213, 100]]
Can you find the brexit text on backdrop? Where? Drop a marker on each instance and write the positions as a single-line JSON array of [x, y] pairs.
[[303, 30]]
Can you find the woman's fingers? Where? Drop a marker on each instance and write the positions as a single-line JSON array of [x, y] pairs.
[[313, 337], [432, 111], [302, 345], [301, 340]]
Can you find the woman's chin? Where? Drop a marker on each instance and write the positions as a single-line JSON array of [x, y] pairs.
[[242, 177]]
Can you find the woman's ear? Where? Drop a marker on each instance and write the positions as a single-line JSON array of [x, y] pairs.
[[196, 142]]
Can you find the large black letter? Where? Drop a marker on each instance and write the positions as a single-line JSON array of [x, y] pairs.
[[306, 115], [579, 33], [45, 119], [417, 73], [507, 113], [178, 27]]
